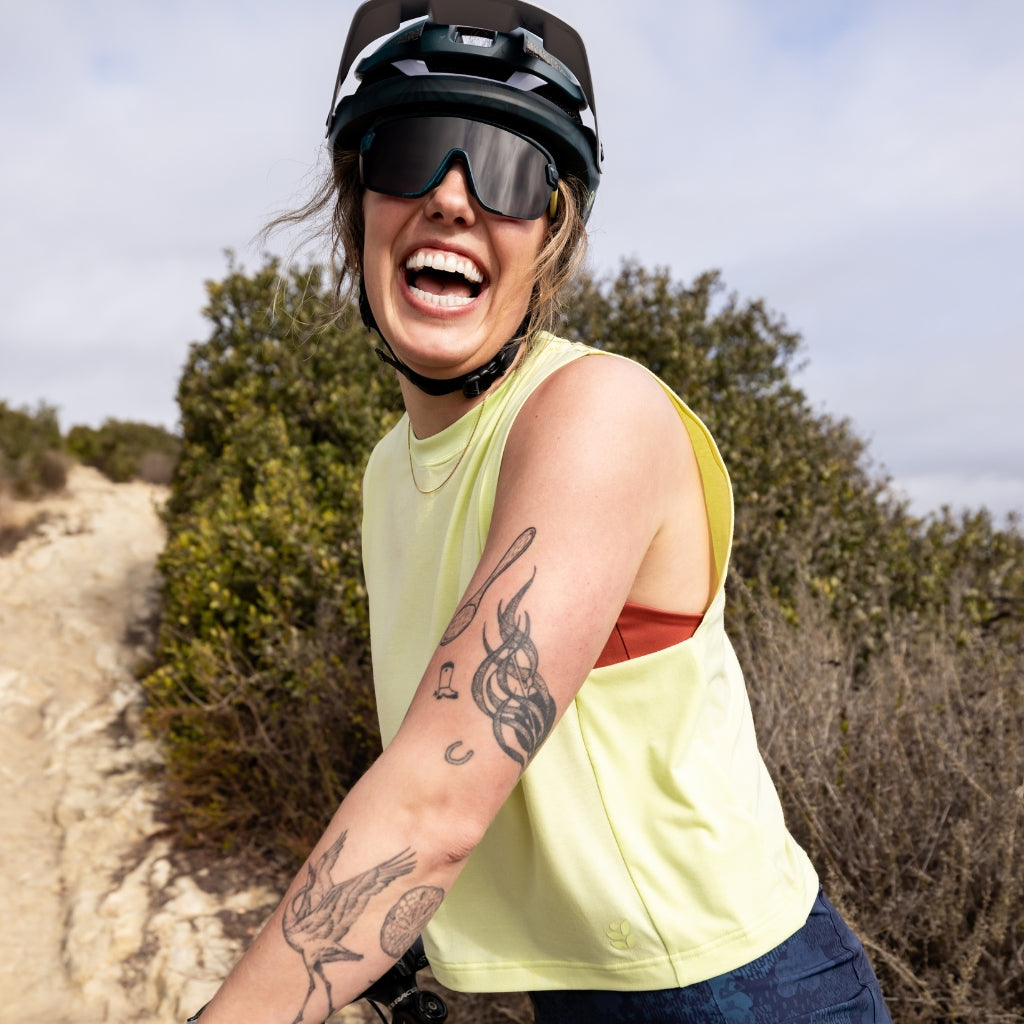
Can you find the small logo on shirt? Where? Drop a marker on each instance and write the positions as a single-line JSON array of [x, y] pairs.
[[620, 935]]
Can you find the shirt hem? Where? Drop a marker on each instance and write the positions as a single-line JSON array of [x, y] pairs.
[[675, 970]]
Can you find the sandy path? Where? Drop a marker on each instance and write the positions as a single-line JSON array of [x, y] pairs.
[[98, 923], [101, 919]]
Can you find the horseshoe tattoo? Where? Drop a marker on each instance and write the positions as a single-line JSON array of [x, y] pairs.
[[450, 757]]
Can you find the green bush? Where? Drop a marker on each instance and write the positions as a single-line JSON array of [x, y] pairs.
[[884, 652], [262, 688], [808, 506], [125, 450], [32, 459]]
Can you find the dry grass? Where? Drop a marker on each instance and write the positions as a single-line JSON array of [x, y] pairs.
[[35, 475], [904, 781], [19, 520]]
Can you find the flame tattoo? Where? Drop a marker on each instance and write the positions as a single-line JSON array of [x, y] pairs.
[[508, 688]]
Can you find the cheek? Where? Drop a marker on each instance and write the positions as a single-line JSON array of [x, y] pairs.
[[377, 234], [523, 246], [381, 221], [371, 274]]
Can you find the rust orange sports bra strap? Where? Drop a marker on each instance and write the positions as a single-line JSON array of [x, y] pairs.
[[641, 630]]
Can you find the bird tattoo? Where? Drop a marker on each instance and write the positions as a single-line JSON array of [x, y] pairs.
[[322, 912]]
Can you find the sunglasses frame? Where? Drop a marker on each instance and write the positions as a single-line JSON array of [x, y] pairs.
[[456, 152]]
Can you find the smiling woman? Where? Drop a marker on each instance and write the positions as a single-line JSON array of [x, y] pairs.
[[570, 800], [448, 283]]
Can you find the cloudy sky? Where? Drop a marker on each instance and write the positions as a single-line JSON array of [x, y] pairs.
[[859, 164]]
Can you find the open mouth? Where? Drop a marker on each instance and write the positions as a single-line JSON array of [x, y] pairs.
[[443, 279]]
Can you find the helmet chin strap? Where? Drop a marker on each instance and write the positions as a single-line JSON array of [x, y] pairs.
[[472, 384]]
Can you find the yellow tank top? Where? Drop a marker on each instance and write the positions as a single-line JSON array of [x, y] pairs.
[[644, 846]]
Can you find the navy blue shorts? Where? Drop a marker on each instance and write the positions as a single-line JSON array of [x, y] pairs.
[[820, 975]]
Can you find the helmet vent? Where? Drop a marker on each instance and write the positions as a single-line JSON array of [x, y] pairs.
[[533, 46], [412, 67], [517, 67], [524, 82], [473, 36]]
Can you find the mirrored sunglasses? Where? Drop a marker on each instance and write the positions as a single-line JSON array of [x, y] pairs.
[[508, 174]]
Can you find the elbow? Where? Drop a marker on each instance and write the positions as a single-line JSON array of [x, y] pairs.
[[451, 826], [459, 847], [440, 824], [446, 813], [461, 837]]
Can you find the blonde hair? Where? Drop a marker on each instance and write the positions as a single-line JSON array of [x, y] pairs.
[[334, 213]]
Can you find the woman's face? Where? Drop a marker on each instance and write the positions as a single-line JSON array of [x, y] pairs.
[[448, 282]]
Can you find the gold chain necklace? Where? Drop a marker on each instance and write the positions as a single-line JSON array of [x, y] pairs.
[[462, 455]]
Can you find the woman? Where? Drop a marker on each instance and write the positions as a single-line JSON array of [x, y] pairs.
[[570, 801]]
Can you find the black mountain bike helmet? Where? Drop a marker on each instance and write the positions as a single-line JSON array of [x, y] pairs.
[[501, 62]]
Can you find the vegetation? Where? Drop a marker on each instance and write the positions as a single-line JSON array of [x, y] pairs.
[[884, 653], [35, 456], [35, 459], [903, 780], [262, 691], [125, 450], [32, 459]]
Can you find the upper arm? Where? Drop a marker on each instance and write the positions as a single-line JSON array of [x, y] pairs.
[[592, 475]]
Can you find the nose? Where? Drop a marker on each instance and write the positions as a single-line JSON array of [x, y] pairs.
[[451, 200]]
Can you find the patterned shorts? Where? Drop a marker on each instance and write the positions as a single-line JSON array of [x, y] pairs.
[[820, 975]]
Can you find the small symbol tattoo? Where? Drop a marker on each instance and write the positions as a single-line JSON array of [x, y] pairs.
[[444, 689], [449, 754]]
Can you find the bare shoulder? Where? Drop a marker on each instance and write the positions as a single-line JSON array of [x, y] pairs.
[[602, 392], [601, 426], [601, 444]]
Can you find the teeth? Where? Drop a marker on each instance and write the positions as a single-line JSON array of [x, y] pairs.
[[441, 300], [448, 262]]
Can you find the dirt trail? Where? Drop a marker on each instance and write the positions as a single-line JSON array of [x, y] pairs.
[[99, 924]]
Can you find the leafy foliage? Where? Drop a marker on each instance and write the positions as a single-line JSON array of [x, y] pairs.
[[262, 687], [883, 651], [807, 507], [125, 450], [811, 513], [31, 450]]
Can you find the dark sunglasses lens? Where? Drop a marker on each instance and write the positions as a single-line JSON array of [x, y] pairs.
[[507, 174], [399, 160]]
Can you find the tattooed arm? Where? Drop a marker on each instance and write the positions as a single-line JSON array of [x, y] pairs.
[[598, 501]]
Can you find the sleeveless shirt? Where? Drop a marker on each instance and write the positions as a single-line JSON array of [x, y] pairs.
[[644, 846]]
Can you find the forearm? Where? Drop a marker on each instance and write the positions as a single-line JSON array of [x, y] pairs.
[[363, 896]]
